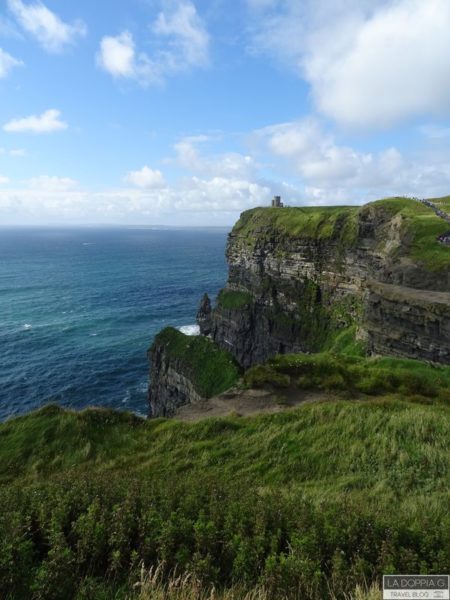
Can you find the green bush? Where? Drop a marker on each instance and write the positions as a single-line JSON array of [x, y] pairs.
[[234, 300]]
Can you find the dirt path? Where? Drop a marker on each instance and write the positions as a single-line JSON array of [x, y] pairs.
[[244, 403]]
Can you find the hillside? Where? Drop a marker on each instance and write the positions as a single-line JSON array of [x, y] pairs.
[[296, 501]]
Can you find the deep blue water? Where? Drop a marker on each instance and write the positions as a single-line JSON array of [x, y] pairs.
[[80, 307]]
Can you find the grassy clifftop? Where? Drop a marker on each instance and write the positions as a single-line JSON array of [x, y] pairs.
[[418, 225], [308, 222]]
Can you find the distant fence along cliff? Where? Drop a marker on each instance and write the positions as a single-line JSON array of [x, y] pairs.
[[445, 237]]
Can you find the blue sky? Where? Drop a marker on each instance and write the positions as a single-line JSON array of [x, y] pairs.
[[188, 112]]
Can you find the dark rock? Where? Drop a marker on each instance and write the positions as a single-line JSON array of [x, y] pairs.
[[169, 387], [204, 315]]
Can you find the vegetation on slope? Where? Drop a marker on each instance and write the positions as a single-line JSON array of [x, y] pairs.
[[354, 375], [420, 228], [233, 299], [298, 502], [210, 369]]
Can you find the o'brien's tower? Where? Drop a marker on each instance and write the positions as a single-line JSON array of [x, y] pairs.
[[276, 202]]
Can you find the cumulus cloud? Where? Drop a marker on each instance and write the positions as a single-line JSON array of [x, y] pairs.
[[48, 122], [117, 56], [187, 37], [45, 26], [228, 164], [181, 43], [370, 63], [145, 178], [7, 63], [315, 156], [333, 171]]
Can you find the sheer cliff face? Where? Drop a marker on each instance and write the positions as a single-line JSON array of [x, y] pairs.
[[299, 276]]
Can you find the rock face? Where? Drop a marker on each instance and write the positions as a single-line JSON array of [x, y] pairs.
[[204, 315], [186, 370], [299, 276], [169, 387], [408, 322]]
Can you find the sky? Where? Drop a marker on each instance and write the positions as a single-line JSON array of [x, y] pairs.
[[187, 112]]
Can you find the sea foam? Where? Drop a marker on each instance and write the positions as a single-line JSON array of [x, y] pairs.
[[189, 329]]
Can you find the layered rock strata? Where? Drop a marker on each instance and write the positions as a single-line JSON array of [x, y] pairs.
[[292, 289]]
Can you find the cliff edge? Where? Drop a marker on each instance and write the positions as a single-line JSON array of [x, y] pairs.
[[298, 277], [362, 281]]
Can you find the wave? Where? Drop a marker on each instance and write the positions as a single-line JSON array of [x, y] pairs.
[[27, 326], [189, 329]]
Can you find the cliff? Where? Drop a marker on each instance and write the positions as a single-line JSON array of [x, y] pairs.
[[299, 276], [370, 280], [186, 370]]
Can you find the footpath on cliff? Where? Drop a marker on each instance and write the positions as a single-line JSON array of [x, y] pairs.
[[249, 402]]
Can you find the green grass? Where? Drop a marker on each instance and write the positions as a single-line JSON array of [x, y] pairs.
[[419, 227], [234, 300], [353, 374], [310, 222], [299, 502], [443, 203], [210, 369]]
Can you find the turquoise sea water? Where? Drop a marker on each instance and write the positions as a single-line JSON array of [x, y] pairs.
[[80, 307]]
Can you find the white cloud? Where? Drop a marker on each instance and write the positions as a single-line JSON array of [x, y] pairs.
[[3, 179], [145, 178], [48, 122], [117, 56], [188, 38], [48, 183], [7, 63], [331, 170], [217, 200], [370, 63], [46, 26], [181, 43], [228, 164]]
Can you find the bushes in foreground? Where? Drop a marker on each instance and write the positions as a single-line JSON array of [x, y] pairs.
[[86, 537]]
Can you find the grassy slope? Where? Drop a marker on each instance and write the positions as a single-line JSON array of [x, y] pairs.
[[296, 501], [352, 374], [385, 448]]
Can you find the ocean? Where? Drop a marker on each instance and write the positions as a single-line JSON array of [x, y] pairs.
[[80, 307]]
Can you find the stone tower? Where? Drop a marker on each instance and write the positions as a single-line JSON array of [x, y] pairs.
[[276, 202]]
